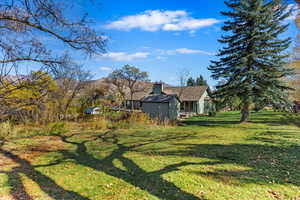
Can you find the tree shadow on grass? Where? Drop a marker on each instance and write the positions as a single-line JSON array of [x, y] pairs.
[[46, 184], [220, 121], [209, 123], [292, 119], [256, 163], [151, 182], [18, 192]]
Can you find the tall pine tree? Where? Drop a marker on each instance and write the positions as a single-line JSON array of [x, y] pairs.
[[252, 62], [191, 82], [201, 81]]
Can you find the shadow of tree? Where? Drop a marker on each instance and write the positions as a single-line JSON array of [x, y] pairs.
[[292, 119], [223, 119], [46, 184], [18, 191], [265, 163], [151, 182]]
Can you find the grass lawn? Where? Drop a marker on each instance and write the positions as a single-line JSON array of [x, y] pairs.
[[203, 158]]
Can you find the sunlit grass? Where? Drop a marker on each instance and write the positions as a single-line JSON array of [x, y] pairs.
[[202, 158]]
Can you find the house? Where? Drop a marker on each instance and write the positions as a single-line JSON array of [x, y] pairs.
[[160, 105], [194, 100]]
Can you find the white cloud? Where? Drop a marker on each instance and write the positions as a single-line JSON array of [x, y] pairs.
[[154, 20], [105, 38], [162, 58], [190, 24], [191, 51], [293, 16], [184, 51], [123, 56], [106, 69]]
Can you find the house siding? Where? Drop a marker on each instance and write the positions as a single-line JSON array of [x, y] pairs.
[[193, 102], [162, 111], [174, 108], [201, 104], [156, 110]]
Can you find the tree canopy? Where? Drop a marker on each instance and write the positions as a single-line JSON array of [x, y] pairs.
[[26, 26], [128, 77], [252, 63], [200, 81]]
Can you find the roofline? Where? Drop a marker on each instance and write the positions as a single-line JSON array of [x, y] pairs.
[[207, 89], [155, 101]]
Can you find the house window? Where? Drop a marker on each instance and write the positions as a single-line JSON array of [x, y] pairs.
[[182, 106]]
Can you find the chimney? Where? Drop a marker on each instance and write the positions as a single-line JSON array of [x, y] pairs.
[[158, 88]]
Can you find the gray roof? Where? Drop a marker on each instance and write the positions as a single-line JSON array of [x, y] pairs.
[[161, 98], [137, 96], [189, 93]]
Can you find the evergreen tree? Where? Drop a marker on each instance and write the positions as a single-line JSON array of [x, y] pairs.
[[201, 81], [252, 63], [190, 82]]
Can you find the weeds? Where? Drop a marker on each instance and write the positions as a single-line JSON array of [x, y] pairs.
[[7, 130], [58, 128], [109, 120]]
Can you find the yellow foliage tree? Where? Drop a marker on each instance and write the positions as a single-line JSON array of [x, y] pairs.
[[296, 63], [27, 98]]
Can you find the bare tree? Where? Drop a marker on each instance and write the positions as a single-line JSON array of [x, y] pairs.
[[129, 77], [25, 29], [295, 82], [183, 75], [71, 78], [115, 78]]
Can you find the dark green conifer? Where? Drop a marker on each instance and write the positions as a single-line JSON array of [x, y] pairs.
[[252, 63], [191, 82], [201, 81]]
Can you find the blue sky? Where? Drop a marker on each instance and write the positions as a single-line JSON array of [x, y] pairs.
[[160, 37]]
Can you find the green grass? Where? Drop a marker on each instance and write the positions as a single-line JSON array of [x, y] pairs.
[[202, 158]]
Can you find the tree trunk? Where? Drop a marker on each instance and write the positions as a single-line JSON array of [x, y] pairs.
[[245, 112], [131, 97]]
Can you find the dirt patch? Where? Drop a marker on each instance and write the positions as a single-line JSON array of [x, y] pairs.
[[42, 145], [6, 198], [5, 162]]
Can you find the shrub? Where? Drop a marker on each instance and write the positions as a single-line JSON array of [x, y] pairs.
[[116, 116], [58, 128], [212, 113], [99, 123], [7, 130], [141, 118], [94, 122], [133, 119]]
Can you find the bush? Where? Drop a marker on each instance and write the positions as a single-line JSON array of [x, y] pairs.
[[93, 122], [99, 123], [58, 128], [141, 118], [7, 130], [212, 113], [116, 116], [133, 119]]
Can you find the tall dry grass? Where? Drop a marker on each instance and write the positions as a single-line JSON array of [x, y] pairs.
[[110, 120]]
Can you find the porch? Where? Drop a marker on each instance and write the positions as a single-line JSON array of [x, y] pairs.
[[189, 108]]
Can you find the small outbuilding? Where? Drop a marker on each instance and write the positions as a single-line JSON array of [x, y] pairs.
[[160, 105]]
